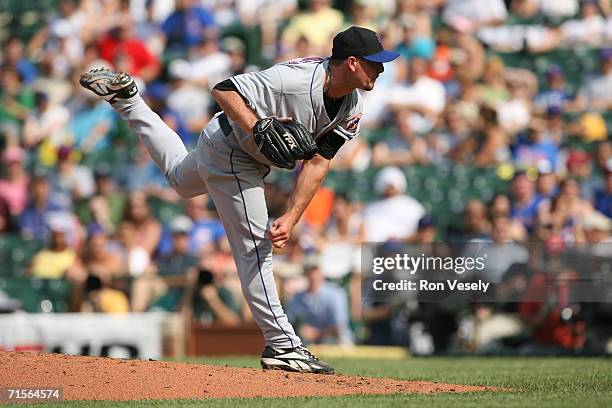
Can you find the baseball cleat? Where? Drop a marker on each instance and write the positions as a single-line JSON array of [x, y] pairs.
[[108, 84], [297, 359]]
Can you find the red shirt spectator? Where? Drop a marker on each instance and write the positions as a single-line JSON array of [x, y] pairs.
[[128, 53]]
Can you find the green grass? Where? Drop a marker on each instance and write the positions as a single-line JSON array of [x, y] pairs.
[[535, 382]]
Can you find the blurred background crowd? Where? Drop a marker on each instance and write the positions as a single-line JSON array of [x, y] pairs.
[[493, 125]]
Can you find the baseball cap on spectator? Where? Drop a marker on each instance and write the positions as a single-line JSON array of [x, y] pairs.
[[596, 221], [12, 154], [390, 176], [180, 225], [577, 157], [360, 42]]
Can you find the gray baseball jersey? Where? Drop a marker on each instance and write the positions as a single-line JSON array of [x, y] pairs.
[[227, 166], [295, 89]]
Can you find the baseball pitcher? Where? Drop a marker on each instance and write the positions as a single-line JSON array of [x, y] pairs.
[[301, 110]]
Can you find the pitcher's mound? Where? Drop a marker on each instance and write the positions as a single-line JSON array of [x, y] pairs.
[[94, 378]]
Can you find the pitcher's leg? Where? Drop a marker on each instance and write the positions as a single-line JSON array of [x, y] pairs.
[[238, 195], [164, 145]]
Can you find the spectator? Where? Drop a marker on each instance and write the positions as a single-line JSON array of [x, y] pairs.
[[525, 201], [475, 221], [14, 184], [549, 327], [71, 180], [17, 102], [92, 125], [128, 53], [395, 215], [316, 26], [59, 259], [215, 301], [206, 66], [46, 123], [141, 174], [98, 259], [14, 57], [580, 168], [321, 312], [32, 219], [500, 252], [148, 229], [207, 230], [135, 260], [102, 298], [338, 244], [534, 149], [586, 31], [597, 228], [174, 275], [469, 15], [596, 94], [556, 95], [186, 27], [514, 114], [149, 31], [113, 201], [422, 95], [402, 147], [547, 184]]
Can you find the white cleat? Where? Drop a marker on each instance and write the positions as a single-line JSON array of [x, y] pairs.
[[108, 84], [297, 359]]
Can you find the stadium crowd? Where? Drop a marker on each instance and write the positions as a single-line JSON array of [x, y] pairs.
[[492, 126]]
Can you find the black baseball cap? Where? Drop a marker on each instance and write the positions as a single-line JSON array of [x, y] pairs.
[[363, 43]]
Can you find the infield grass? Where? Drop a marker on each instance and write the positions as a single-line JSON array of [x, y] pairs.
[[535, 382]]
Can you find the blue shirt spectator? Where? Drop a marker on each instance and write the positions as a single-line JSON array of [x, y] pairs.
[[186, 26], [321, 312]]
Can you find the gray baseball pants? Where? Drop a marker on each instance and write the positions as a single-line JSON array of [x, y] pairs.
[[234, 182]]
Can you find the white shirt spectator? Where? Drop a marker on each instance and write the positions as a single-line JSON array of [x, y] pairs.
[[469, 15], [395, 216], [212, 68], [189, 101], [392, 218], [513, 115], [589, 31], [425, 93], [598, 90], [558, 8]]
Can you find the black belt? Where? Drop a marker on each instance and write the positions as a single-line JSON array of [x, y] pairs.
[[224, 124]]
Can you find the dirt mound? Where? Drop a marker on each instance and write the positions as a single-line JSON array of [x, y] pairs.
[[94, 378]]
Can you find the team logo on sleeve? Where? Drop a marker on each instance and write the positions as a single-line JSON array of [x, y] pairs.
[[353, 123]]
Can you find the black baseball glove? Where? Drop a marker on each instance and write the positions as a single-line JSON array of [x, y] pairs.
[[283, 143]]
